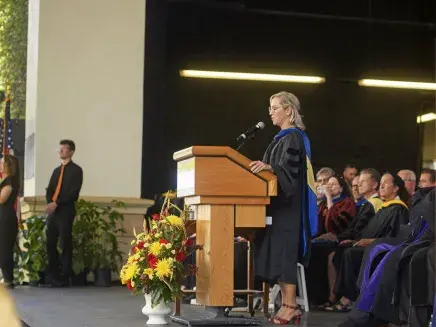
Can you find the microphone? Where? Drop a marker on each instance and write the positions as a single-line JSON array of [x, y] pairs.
[[251, 131]]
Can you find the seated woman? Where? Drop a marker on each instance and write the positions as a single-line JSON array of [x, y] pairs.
[[337, 211], [384, 268], [348, 257], [319, 287]]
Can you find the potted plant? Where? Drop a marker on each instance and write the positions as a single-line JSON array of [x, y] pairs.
[[97, 246], [155, 263], [31, 254]]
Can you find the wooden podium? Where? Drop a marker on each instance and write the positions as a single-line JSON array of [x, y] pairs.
[[226, 199]]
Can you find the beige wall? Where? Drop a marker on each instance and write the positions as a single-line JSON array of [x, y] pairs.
[[85, 82]]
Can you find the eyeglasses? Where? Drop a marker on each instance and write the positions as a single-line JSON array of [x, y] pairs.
[[273, 109]]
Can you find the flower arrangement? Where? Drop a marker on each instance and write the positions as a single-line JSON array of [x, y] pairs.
[[155, 262]]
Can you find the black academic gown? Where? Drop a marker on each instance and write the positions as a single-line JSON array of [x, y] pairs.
[[348, 259], [381, 271], [277, 247]]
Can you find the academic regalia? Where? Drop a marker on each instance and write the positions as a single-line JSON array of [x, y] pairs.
[[413, 302], [348, 259], [336, 219], [366, 211], [381, 270], [316, 273], [284, 243], [431, 267]]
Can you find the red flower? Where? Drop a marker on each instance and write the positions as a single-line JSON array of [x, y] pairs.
[[129, 285], [189, 242], [152, 261], [140, 245], [155, 217], [163, 241], [134, 249], [180, 256]]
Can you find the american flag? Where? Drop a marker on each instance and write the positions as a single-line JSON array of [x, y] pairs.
[[6, 142]]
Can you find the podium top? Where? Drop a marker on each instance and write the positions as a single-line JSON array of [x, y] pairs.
[[231, 154]]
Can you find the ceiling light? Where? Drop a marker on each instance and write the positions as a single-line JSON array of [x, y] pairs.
[[251, 76], [426, 117], [397, 84]]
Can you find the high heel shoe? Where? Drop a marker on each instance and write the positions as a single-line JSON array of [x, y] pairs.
[[295, 319]]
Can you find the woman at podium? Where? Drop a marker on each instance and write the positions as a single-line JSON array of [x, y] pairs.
[[292, 214]]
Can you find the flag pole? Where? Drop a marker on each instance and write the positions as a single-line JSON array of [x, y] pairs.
[[7, 103]]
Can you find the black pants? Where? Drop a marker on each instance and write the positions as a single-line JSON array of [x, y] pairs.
[[316, 272], [60, 227], [348, 274], [8, 238]]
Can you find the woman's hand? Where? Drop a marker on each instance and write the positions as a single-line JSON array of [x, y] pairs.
[[258, 166], [327, 192], [364, 242], [328, 237], [345, 242], [331, 237]]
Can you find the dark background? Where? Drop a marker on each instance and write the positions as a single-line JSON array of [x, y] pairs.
[[340, 40]]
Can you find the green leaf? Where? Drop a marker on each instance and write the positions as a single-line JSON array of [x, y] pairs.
[[13, 52]]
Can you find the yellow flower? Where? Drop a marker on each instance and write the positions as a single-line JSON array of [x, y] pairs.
[[128, 272], [155, 248], [134, 258], [149, 272], [174, 220], [163, 268]]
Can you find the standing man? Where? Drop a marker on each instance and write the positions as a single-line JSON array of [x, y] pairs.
[[62, 193]]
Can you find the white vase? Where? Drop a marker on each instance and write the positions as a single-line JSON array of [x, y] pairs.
[[156, 315]]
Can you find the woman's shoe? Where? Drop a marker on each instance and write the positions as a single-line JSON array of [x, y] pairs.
[[325, 305], [339, 307], [295, 319]]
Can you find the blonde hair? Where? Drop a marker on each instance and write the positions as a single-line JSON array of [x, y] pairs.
[[289, 100]]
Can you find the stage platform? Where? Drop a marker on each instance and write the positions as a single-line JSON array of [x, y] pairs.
[[110, 307]]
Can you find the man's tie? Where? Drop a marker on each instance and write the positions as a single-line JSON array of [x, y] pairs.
[[58, 187]]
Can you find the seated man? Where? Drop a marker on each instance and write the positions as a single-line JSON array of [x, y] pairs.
[[383, 268], [386, 222]]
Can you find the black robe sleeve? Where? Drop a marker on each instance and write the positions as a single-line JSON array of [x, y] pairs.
[[287, 163], [394, 227], [429, 210], [365, 213]]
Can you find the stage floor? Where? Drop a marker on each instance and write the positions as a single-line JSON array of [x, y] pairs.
[[109, 307]]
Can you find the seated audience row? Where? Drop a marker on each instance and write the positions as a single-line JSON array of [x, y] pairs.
[[367, 251]]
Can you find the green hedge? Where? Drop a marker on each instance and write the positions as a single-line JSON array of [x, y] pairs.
[[13, 52]]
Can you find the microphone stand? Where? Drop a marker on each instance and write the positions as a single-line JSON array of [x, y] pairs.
[[243, 142]]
